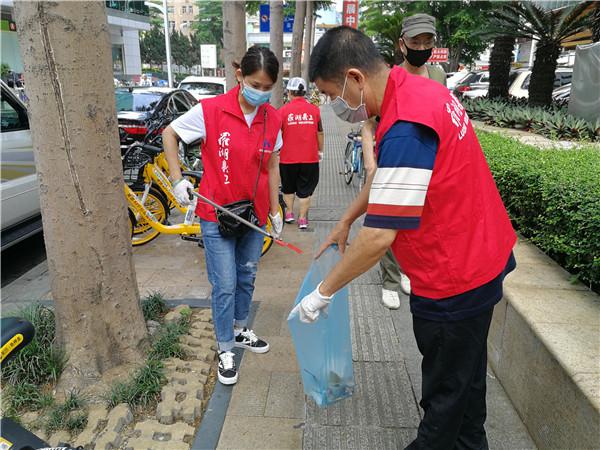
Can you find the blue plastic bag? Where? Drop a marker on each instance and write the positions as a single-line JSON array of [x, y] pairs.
[[324, 348]]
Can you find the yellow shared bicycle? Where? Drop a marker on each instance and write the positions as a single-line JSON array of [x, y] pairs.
[[150, 197]]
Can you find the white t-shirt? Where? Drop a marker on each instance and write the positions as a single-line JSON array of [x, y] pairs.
[[191, 127]]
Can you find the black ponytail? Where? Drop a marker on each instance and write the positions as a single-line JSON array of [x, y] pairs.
[[260, 58]]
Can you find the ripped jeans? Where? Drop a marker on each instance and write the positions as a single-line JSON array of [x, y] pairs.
[[231, 264]]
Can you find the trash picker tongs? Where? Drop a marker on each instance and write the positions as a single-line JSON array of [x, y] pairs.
[[248, 224]]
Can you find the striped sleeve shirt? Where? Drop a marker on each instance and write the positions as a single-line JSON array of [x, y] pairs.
[[404, 166]]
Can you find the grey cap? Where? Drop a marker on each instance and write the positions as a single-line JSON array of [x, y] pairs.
[[417, 24]]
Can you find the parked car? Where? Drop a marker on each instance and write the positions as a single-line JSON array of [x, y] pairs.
[[472, 78], [136, 105], [482, 88], [562, 94], [203, 87], [19, 192], [520, 87], [453, 78]]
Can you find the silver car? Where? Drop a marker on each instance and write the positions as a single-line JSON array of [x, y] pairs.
[[20, 199]]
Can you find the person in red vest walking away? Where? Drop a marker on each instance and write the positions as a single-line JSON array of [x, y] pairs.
[[241, 137], [433, 200], [302, 133]]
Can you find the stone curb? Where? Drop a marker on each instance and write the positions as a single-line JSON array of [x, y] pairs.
[[543, 347]]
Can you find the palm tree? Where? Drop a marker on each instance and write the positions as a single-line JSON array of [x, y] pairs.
[[500, 59], [549, 28]]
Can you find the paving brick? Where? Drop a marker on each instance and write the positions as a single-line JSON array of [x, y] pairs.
[[152, 435], [119, 417], [96, 417], [59, 437]]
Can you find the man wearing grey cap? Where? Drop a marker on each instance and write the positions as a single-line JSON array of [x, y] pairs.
[[416, 44]]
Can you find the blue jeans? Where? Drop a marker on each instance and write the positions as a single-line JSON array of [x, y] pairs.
[[231, 264]]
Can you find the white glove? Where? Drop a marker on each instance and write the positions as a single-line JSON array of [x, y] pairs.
[[320, 156], [310, 306], [277, 223], [181, 192]]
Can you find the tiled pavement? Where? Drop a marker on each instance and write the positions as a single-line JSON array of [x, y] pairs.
[[268, 408]]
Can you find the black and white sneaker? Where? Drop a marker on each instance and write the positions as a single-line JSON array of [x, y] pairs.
[[227, 371], [248, 340]]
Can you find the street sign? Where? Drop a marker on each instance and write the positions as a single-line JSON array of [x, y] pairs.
[[265, 20], [438, 55], [350, 13], [208, 56]]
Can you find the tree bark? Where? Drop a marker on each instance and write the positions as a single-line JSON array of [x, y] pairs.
[[84, 213], [307, 38], [297, 34], [542, 73], [596, 23], [234, 37], [276, 41], [455, 53], [500, 60]]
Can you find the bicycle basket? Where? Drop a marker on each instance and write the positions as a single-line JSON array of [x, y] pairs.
[[134, 162]]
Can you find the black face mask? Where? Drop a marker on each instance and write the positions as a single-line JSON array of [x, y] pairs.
[[417, 57]]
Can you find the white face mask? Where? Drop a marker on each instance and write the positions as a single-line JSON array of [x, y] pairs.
[[346, 112]]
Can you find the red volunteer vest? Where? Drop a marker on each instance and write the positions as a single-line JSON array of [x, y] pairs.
[[300, 127], [231, 154], [465, 236]]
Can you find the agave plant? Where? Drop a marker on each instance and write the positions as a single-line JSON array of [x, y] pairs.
[[549, 28]]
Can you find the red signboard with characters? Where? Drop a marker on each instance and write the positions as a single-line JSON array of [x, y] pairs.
[[438, 55], [350, 13]]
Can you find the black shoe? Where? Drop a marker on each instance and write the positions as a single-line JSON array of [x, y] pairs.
[[227, 371], [248, 340]]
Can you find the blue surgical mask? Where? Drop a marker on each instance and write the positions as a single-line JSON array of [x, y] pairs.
[[254, 96], [345, 112]]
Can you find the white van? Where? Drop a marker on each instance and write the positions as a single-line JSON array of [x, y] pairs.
[[19, 191], [203, 87]]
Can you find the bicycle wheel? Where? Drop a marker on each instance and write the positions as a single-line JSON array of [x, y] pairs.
[[157, 204], [268, 242], [348, 163], [362, 173]]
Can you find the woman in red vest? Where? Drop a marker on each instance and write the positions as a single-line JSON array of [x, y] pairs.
[[302, 144], [241, 137]]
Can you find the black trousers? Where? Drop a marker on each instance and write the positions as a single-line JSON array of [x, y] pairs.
[[454, 383]]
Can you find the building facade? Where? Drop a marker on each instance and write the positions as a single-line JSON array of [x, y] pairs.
[[125, 20]]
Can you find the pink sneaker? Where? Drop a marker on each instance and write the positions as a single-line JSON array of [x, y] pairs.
[[289, 217], [302, 223]]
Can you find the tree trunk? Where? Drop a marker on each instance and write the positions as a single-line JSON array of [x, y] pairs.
[[596, 23], [276, 41], [234, 37], [76, 145], [297, 34], [454, 59], [307, 38], [500, 60], [542, 73]]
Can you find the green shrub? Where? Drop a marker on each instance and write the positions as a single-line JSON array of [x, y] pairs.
[[553, 122], [67, 416], [142, 390], [41, 361], [154, 306], [553, 197]]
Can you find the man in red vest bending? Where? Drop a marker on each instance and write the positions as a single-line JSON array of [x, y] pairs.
[[434, 202]]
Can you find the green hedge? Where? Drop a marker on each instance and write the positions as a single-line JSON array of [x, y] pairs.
[[553, 122], [553, 198]]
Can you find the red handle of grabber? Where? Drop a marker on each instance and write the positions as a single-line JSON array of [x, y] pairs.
[[248, 224]]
